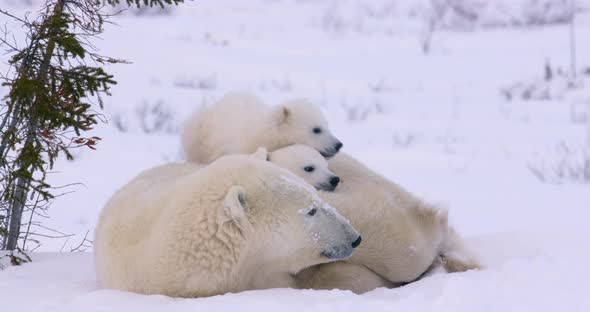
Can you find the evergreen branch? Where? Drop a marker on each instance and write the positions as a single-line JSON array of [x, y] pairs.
[[48, 108]]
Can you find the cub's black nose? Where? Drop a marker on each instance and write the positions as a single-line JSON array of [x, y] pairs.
[[357, 242], [334, 181], [338, 146]]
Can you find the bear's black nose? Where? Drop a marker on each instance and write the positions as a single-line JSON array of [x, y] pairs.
[[334, 181], [357, 242], [338, 146]]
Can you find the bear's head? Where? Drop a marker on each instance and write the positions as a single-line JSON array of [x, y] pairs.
[[301, 122], [284, 221], [305, 162]]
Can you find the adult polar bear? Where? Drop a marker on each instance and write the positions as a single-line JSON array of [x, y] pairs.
[[403, 237], [238, 224], [240, 122]]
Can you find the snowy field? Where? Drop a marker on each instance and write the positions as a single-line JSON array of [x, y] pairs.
[[440, 124]]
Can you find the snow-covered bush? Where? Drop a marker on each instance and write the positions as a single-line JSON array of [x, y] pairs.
[[563, 164], [156, 117], [388, 16], [204, 83], [555, 84], [467, 14], [150, 117]]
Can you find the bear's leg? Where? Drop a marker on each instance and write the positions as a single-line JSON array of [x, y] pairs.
[[456, 256], [342, 275]]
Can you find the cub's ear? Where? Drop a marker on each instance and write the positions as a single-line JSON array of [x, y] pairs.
[[282, 115], [233, 209], [261, 153]]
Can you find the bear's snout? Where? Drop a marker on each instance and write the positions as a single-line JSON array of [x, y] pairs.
[[332, 150], [329, 185], [357, 242], [344, 250], [337, 253]]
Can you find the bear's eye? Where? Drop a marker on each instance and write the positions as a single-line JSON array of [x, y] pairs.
[[317, 130], [309, 168], [312, 212]]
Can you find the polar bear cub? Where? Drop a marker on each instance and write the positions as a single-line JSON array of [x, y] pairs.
[[403, 237], [305, 162], [237, 224], [240, 122]]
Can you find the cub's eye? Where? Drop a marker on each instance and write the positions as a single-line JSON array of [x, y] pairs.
[[312, 212], [317, 130], [309, 168]]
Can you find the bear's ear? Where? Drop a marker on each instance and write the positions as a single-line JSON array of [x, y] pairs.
[[261, 153], [233, 209], [282, 115]]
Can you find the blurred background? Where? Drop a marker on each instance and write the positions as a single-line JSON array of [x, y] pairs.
[[480, 106]]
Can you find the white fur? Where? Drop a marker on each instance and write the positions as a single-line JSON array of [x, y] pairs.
[[238, 224], [342, 275], [402, 236], [296, 158], [239, 123]]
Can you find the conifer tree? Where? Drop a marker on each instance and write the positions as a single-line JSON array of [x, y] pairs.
[[54, 94]]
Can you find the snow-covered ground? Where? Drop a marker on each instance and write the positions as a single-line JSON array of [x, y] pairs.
[[525, 272], [437, 123]]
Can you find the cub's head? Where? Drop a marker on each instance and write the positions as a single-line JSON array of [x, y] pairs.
[[288, 222], [301, 122], [306, 163]]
